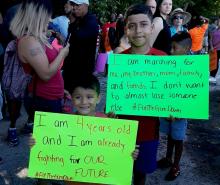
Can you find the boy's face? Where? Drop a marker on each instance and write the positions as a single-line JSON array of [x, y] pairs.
[[85, 101], [138, 29], [178, 49]]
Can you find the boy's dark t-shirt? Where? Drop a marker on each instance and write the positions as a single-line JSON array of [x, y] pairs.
[[148, 128]]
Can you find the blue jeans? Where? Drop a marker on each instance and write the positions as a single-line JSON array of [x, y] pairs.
[[177, 129]]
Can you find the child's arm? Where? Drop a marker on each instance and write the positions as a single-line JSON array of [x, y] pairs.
[[135, 153], [205, 20], [111, 115], [31, 142]]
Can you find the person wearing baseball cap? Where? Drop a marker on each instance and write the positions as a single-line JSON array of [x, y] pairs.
[[82, 38], [80, 7], [78, 2]]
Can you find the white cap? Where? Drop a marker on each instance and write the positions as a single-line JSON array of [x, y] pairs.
[[80, 1]]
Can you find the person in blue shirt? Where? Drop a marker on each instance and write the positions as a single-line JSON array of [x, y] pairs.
[[174, 128], [178, 18]]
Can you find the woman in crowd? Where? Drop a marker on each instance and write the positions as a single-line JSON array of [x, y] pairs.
[[178, 18], [161, 30], [38, 58]]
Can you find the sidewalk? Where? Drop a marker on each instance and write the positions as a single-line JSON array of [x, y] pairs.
[[199, 166]]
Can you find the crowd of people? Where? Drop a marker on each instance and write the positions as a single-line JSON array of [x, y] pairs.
[[61, 56]]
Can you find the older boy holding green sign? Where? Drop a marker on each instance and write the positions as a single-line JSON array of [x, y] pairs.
[[138, 29]]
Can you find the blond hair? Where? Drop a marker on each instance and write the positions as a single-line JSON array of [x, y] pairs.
[[31, 19]]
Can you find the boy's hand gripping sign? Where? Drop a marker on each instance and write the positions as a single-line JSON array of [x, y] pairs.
[[159, 85], [82, 148]]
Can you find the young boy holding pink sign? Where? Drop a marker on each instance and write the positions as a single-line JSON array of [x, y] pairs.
[[138, 30]]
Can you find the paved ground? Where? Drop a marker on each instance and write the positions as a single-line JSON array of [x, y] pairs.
[[199, 166]]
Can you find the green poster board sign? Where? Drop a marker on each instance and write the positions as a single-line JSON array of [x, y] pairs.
[[159, 85], [82, 148]]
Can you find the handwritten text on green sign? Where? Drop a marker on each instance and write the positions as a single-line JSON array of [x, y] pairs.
[[82, 148], [159, 85]]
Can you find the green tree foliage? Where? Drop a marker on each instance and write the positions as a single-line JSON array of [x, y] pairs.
[[207, 8], [104, 8]]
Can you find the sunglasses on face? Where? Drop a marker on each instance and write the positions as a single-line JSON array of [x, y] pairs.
[[178, 17]]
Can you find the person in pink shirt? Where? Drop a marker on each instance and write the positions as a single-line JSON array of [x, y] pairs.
[[39, 58]]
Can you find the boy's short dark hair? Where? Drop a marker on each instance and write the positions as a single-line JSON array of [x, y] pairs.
[[139, 9], [87, 82], [182, 38]]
